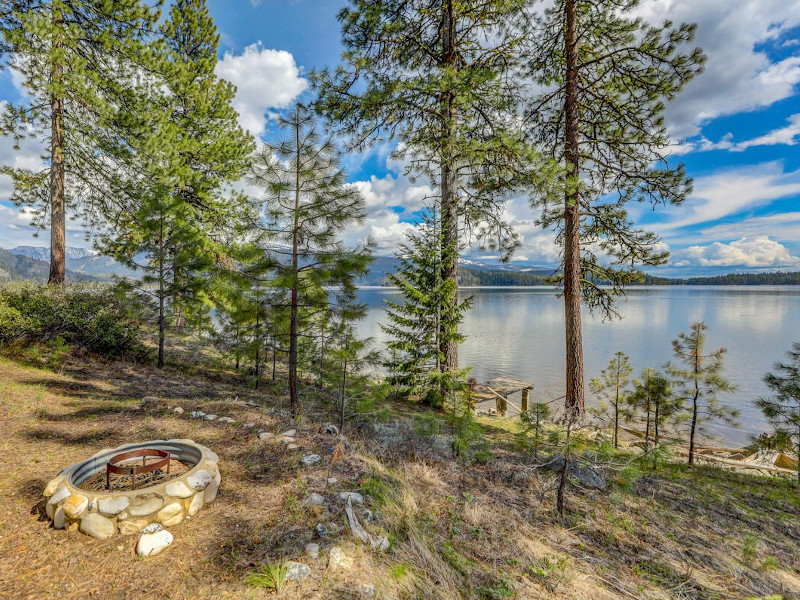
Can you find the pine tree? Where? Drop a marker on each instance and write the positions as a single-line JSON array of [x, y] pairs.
[[782, 409], [611, 386], [306, 205], [700, 381], [603, 77], [653, 398], [183, 159], [436, 77], [77, 60], [415, 324]]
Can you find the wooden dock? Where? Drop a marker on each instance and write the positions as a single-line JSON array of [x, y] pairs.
[[499, 389]]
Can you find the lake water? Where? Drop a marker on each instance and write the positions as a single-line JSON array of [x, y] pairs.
[[520, 332]]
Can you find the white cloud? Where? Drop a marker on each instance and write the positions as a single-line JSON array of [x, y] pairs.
[[265, 79], [786, 135], [746, 252], [737, 77]]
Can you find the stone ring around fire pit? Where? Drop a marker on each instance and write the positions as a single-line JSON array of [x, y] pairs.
[[101, 514]]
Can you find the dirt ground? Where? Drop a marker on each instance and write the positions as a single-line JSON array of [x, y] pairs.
[[473, 531]]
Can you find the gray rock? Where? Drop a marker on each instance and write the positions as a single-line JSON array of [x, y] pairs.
[[227, 420], [332, 480], [354, 497], [152, 528], [59, 518], [366, 590], [209, 417], [60, 494], [292, 446], [288, 433], [287, 440], [315, 499], [296, 571], [312, 550], [210, 493], [265, 435], [586, 476], [178, 489], [197, 414], [199, 480], [310, 460], [337, 559], [329, 428], [178, 410], [249, 425], [326, 530], [368, 515], [151, 544], [112, 506], [97, 526]]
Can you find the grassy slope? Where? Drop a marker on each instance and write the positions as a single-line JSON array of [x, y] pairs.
[[457, 530]]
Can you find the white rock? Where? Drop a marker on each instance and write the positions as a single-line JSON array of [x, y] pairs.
[[167, 515], [337, 559], [178, 489], [145, 504], [112, 506], [133, 526], [264, 435], [209, 417], [289, 433], [354, 497], [178, 410], [97, 526], [311, 459], [315, 499], [210, 493], [60, 494], [151, 544], [366, 590], [152, 528], [296, 571], [312, 550], [332, 480], [199, 480], [287, 440], [227, 420], [197, 414], [59, 519], [292, 446], [249, 425], [52, 486], [195, 505]]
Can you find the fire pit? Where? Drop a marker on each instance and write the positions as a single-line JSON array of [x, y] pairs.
[[153, 482]]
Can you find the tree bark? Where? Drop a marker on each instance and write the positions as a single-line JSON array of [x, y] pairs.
[[574, 402], [57, 171], [449, 184], [294, 400], [161, 294]]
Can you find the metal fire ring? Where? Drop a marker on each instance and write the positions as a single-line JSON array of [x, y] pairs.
[[134, 470]]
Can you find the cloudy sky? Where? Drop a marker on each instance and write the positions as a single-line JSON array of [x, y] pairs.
[[736, 127]]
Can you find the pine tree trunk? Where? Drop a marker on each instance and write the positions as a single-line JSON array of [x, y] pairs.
[[574, 402], [258, 348], [161, 295], [57, 171], [616, 421], [693, 428], [449, 185], [294, 400]]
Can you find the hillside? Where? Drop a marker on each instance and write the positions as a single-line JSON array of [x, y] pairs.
[[16, 267]]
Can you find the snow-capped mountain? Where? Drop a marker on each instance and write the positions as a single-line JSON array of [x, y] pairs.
[[43, 253]]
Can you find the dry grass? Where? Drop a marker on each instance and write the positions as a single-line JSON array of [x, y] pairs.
[[457, 530]]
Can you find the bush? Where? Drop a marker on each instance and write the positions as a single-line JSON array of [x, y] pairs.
[[100, 318]]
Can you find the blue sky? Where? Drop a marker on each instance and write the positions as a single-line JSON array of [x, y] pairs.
[[736, 127]]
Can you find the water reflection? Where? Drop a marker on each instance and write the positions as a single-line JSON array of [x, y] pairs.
[[519, 332]]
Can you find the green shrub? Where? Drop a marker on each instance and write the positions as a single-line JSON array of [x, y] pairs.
[[100, 318]]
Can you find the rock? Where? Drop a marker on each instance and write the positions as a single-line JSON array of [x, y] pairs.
[[288, 433], [178, 410], [265, 435], [332, 480], [199, 480], [353, 497], [59, 519], [287, 440], [586, 476], [368, 515], [227, 420], [296, 571], [195, 505], [314, 499], [152, 528], [249, 425], [197, 414], [366, 590], [133, 526], [178, 489], [150, 402], [151, 544], [326, 530], [210, 493], [310, 460], [60, 494], [75, 506], [381, 543], [312, 550], [329, 428], [337, 559], [52, 486], [327, 449], [145, 504], [112, 506], [292, 446], [97, 526], [167, 515], [209, 417]]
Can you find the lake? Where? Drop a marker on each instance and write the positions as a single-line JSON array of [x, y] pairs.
[[520, 332]]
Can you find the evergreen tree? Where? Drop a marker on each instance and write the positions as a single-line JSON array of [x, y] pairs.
[[603, 77], [77, 60], [183, 158], [700, 381], [611, 387], [415, 324], [782, 409], [306, 205], [436, 76], [653, 398]]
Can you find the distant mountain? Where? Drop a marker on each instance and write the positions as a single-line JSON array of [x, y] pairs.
[[14, 267], [43, 253]]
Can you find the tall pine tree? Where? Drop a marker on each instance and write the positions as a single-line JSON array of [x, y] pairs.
[[603, 77], [78, 61]]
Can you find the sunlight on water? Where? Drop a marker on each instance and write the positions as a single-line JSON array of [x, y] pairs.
[[519, 332]]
